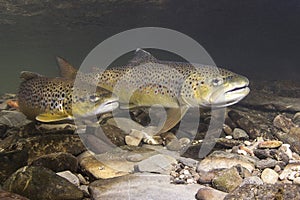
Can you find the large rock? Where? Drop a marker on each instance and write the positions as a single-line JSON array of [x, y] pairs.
[[227, 180], [38, 183], [57, 162], [157, 164], [219, 160], [265, 191], [142, 186], [208, 193], [4, 195], [11, 161], [13, 118], [292, 138]]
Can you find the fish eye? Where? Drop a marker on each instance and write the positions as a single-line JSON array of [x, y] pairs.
[[217, 81], [93, 98]]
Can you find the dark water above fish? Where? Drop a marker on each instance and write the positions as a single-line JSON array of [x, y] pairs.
[[259, 39]]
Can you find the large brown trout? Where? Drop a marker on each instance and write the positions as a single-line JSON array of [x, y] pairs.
[[147, 81], [50, 99]]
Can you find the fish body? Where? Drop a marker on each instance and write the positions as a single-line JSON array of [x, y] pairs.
[[147, 81], [51, 99]]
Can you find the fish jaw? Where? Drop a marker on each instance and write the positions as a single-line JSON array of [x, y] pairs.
[[230, 92]]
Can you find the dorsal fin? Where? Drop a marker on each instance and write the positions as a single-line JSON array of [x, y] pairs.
[[66, 69], [141, 56], [29, 75]]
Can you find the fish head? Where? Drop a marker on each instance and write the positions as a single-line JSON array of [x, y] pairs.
[[86, 103], [210, 86]]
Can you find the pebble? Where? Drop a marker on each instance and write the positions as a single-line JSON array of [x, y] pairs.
[[266, 163], [227, 129], [286, 149], [283, 123], [252, 180], [209, 193], [134, 138], [240, 134], [271, 144], [72, 178], [184, 142], [227, 180], [269, 176], [297, 181], [188, 161], [296, 119]]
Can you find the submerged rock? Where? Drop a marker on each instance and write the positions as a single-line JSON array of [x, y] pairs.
[[57, 162], [265, 191], [142, 186], [4, 195], [40, 183], [227, 180], [13, 118], [10, 162], [269, 176], [292, 138], [157, 164], [208, 193]]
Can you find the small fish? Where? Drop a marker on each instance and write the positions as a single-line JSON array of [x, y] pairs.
[[51, 99], [147, 81]]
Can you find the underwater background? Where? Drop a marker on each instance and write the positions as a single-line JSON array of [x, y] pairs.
[[259, 39]]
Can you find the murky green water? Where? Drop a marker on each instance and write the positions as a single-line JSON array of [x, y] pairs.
[[259, 39]]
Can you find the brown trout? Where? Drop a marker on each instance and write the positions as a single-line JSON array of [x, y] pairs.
[[50, 99], [147, 81]]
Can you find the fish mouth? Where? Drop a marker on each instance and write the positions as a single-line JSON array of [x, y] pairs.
[[228, 96], [107, 106]]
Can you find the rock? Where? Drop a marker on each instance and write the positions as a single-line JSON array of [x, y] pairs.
[[113, 133], [297, 181], [285, 148], [265, 191], [269, 144], [104, 170], [156, 164], [57, 162], [266, 163], [289, 169], [135, 157], [4, 195], [171, 141], [125, 124], [188, 161], [221, 160], [72, 178], [184, 142], [292, 138], [244, 124], [240, 134], [40, 183], [254, 180], [134, 138], [142, 186], [209, 193], [227, 180], [13, 118], [269, 176], [3, 129], [283, 123], [227, 129], [296, 119], [11, 161], [206, 177]]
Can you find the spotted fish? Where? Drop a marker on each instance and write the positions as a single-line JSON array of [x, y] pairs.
[[147, 81], [51, 99]]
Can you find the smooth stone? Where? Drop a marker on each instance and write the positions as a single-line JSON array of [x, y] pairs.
[[156, 164], [206, 177], [227, 129], [135, 157], [13, 118], [209, 193], [72, 178], [254, 180], [284, 123], [5, 195], [240, 134], [57, 162], [269, 176], [142, 186], [132, 141], [227, 180], [224, 160], [184, 142], [297, 181], [188, 161], [269, 144], [265, 191], [38, 183], [265, 163], [11, 161]]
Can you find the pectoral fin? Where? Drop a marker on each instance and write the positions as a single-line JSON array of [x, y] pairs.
[[174, 115], [53, 117]]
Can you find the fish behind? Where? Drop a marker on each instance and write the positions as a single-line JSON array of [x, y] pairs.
[[52, 99]]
